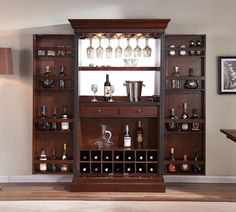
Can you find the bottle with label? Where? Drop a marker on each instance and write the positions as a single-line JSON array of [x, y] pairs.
[[54, 125], [172, 126], [195, 126], [172, 166], [140, 135], [65, 124], [191, 84], [43, 158], [64, 167], [107, 88], [185, 126], [44, 125], [172, 50], [185, 166], [53, 166], [47, 78], [127, 137], [175, 83], [182, 51], [62, 80], [197, 169]]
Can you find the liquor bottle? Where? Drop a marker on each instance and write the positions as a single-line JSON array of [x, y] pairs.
[[140, 135], [191, 84], [184, 126], [195, 126], [53, 166], [191, 44], [47, 78], [107, 85], [43, 158], [197, 169], [175, 83], [62, 80], [54, 125], [185, 166], [65, 124], [172, 166], [199, 51], [44, 125], [64, 167], [172, 126], [127, 137]]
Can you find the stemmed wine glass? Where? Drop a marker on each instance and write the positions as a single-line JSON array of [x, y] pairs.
[[94, 88], [137, 50], [118, 51], [109, 49], [147, 51], [128, 49], [90, 50], [99, 50], [112, 89]]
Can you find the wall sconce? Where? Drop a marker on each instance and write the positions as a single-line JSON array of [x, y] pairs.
[[6, 66]]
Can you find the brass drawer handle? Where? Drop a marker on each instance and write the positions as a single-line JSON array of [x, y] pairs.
[[99, 110]]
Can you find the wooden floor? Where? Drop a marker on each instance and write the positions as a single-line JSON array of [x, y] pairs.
[[174, 192]]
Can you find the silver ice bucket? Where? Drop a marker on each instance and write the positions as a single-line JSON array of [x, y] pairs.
[[134, 90]]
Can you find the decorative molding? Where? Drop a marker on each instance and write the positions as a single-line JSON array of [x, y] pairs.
[[68, 178]]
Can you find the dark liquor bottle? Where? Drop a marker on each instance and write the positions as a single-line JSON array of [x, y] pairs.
[[65, 124], [107, 85], [195, 126], [44, 125], [53, 166], [172, 126], [62, 80], [185, 166], [64, 167], [43, 165], [127, 137], [140, 135], [185, 126], [197, 169], [54, 125], [191, 84], [47, 78], [191, 44], [175, 83], [172, 166]]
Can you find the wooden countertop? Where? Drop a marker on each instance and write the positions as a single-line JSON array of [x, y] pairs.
[[230, 133]]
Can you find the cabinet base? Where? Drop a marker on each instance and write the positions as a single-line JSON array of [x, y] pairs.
[[117, 184]]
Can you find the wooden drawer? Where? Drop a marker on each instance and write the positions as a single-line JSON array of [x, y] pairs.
[[150, 111], [98, 111]]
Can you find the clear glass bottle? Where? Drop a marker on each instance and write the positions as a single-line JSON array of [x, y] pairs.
[[127, 137], [191, 83], [172, 126], [65, 126], [172, 167], [62, 75], [185, 166], [43, 165], [64, 167], [195, 126], [185, 126], [47, 78], [175, 83], [140, 135]]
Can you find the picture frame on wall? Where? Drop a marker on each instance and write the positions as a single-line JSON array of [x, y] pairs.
[[227, 74]]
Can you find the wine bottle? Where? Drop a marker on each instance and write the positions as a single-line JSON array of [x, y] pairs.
[[53, 166], [127, 137], [185, 166], [175, 83], [191, 44], [44, 125], [47, 78], [197, 169], [54, 125], [195, 126], [140, 135], [185, 126], [62, 80], [191, 84], [43, 158], [64, 167], [172, 166], [172, 126], [65, 124], [107, 86]]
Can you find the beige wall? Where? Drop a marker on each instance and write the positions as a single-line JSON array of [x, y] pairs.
[[215, 18]]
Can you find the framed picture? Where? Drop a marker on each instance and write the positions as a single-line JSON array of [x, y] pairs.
[[227, 75]]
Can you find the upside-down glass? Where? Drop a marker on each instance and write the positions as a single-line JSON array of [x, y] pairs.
[[90, 50], [118, 51], [147, 51], [128, 49], [137, 50], [94, 88], [99, 50], [109, 49]]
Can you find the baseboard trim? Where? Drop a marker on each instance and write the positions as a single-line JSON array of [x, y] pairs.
[[68, 178]]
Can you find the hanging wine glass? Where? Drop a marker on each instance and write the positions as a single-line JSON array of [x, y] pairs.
[[90, 50], [99, 50], [112, 89], [94, 89], [118, 51], [128, 49], [109, 49], [147, 51], [137, 50]]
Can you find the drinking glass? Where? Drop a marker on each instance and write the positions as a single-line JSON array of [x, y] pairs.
[[147, 51], [112, 89], [137, 50], [109, 49], [128, 49], [118, 51], [90, 50], [94, 88], [99, 49]]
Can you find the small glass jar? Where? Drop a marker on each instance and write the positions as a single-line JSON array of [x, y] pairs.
[[172, 50], [182, 51]]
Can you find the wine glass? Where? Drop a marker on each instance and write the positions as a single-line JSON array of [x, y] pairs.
[[118, 51], [99, 50], [90, 50], [109, 49], [147, 51], [94, 88], [137, 50], [128, 49], [112, 89]]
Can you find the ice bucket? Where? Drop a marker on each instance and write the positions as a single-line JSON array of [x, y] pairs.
[[134, 90]]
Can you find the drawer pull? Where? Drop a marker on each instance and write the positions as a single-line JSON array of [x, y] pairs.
[[139, 110], [99, 110]]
